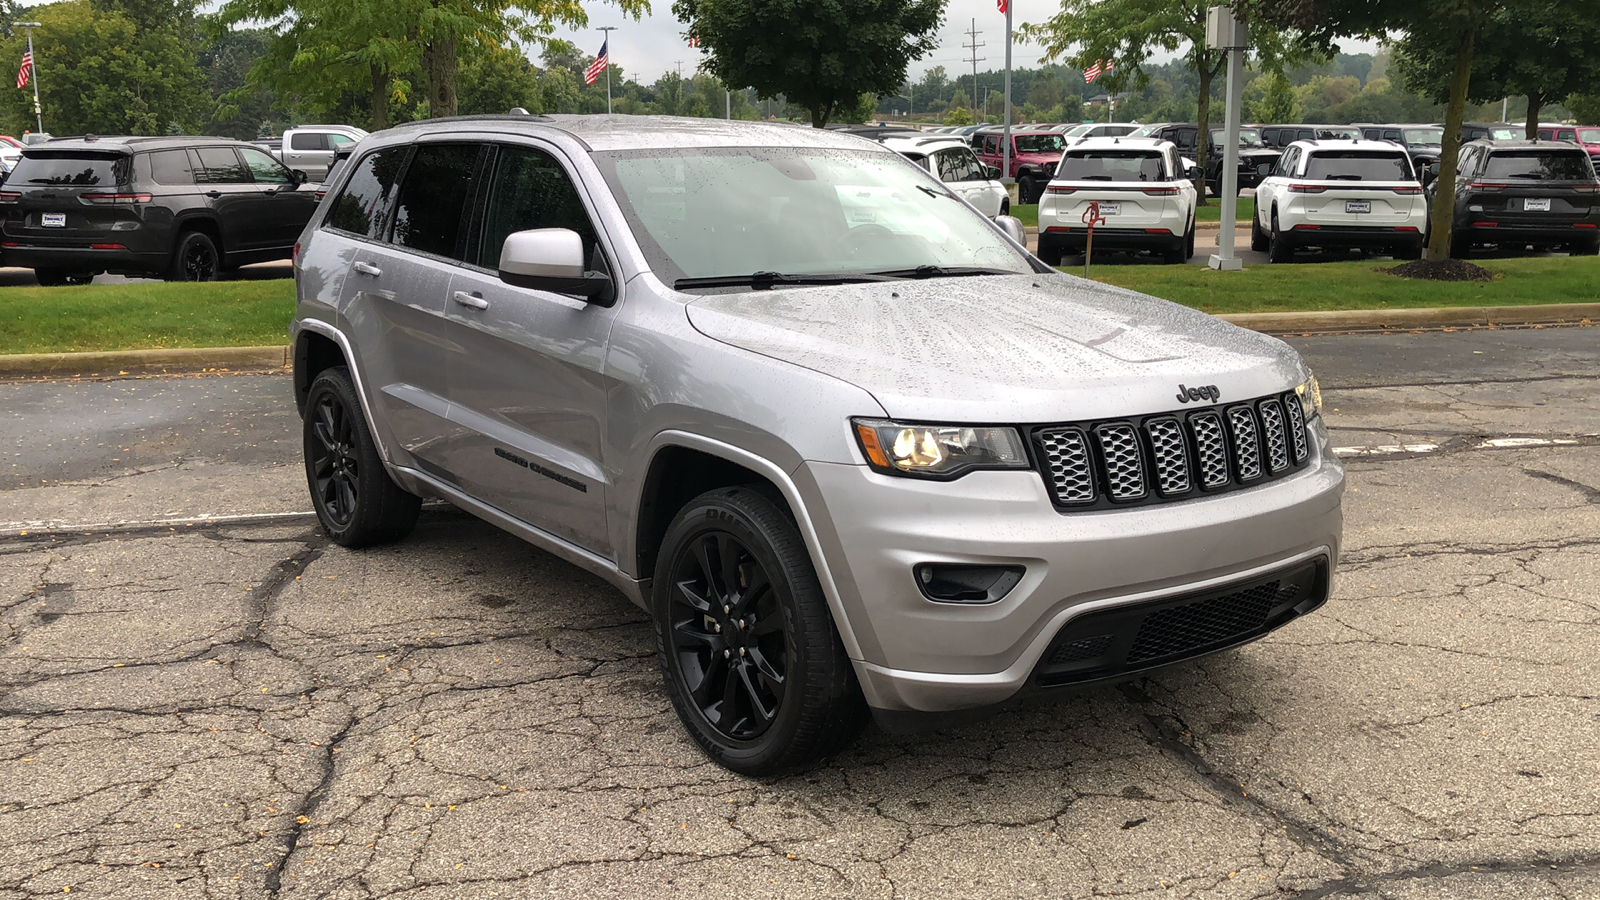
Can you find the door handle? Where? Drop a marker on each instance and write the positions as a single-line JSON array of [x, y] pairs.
[[475, 301], [213, 194], [367, 269]]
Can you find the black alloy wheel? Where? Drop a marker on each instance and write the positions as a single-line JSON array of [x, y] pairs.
[[748, 648], [195, 259], [728, 635], [1026, 190], [356, 501]]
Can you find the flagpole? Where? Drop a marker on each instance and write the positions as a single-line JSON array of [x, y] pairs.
[[608, 29], [33, 72], [1006, 158]]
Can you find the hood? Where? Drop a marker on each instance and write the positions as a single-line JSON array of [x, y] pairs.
[[1016, 349]]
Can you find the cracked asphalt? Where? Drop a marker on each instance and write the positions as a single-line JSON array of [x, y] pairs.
[[200, 697]]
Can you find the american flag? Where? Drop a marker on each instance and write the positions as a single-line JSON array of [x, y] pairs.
[[694, 40], [599, 64], [1003, 4], [26, 70], [1100, 67]]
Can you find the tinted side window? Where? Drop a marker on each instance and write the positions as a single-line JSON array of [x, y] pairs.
[[219, 165], [530, 190], [263, 168], [171, 167], [308, 141], [437, 190], [362, 206]]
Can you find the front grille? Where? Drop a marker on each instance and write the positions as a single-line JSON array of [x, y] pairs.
[[1172, 456], [1123, 639]]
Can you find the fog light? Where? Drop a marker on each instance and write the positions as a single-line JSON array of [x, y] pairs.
[[956, 583]]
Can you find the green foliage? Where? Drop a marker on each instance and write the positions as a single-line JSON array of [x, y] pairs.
[[100, 72], [864, 108], [496, 78], [820, 55], [958, 115], [1270, 99], [1585, 108]]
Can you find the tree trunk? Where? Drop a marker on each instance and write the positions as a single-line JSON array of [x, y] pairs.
[[380, 97], [1444, 196], [1535, 103], [819, 115], [1202, 140], [442, 65]]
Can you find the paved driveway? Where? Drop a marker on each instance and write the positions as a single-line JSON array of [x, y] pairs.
[[238, 709]]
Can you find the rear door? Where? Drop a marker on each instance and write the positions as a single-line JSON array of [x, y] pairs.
[[1361, 188], [527, 387], [232, 194], [50, 197], [1537, 187], [1132, 186]]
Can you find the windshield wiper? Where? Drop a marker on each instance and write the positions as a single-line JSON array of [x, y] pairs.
[[943, 272], [765, 280]]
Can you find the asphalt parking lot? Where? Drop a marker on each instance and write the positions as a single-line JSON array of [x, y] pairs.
[[201, 697]]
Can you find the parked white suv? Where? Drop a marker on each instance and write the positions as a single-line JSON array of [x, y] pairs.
[[1145, 194], [1338, 194], [951, 161]]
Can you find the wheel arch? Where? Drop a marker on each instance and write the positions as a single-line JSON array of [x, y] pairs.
[[206, 224]]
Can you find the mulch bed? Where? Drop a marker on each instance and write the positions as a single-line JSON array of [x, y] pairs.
[[1447, 270]]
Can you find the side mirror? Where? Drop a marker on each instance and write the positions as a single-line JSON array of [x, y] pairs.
[[550, 259], [1433, 170], [1264, 170], [1013, 228], [1196, 173], [991, 172], [300, 177]]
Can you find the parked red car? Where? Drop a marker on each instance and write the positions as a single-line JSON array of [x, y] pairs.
[[1586, 135], [1034, 157]]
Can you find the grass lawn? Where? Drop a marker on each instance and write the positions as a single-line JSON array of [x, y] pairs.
[[1211, 213], [1356, 285], [145, 316]]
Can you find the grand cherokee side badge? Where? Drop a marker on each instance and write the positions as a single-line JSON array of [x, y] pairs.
[[1204, 392]]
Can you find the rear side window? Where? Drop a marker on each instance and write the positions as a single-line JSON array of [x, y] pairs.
[[1112, 165], [219, 165], [171, 167], [1540, 165], [72, 169], [362, 206], [437, 189], [1358, 165], [530, 190], [308, 141]]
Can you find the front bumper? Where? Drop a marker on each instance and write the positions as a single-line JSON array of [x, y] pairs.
[[917, 655]]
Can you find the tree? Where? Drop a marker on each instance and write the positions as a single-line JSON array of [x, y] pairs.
[[821, 55], [1542, 49], [99, 72], [239, 109], [1270, 99], [495, 79], [958, 115], [1585, 108], [1128, 32]]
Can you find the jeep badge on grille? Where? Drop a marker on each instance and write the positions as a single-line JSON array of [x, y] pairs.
[[1205, 392]]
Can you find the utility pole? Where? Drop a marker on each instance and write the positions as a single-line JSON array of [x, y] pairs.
[[973, 34], [607, 45], [1005, 139], [34, 70]]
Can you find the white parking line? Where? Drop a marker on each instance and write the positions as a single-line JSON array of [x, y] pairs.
[[1502, 443], [23, 528], [1507, 443], [1385, 449]]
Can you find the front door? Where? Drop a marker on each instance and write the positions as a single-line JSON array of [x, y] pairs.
[[283, 206], [527, 386]]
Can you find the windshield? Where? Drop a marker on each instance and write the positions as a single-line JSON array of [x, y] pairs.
[[1040, 143], [71, 169], [1146, 130], [1540, 165], [1248, 137], [1112, 165], [707, 213], [1506, 134], [1434, 136], [1353, 165], [1589, 135], [1078, 130]]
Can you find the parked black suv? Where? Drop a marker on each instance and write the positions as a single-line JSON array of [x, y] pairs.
[[1278, 137], [181, 207], [1422, 142], [1521, 193], [1252, 154]]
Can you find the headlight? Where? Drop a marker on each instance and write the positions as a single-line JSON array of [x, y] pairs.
[[1310, 394], [938, 451]]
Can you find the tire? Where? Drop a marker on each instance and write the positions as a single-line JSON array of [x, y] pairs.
[[1258, 238], [1459, 246], [1005, 207], [60, 277], [1173, 255], [1188, 243], [755, 670], [1050, 254], [1278, 249], [195, 258], [1025, 188], [357, 502], [1590, 249]]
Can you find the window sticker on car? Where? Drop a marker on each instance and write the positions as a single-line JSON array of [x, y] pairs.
[[1358, 206], [59, 220], [1530, 204]]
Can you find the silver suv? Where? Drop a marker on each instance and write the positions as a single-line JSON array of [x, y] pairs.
[[852, 447]]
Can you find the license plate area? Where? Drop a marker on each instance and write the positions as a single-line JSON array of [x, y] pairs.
[[1358, 206], [53, 220], [1110, 208], [1531, 204]]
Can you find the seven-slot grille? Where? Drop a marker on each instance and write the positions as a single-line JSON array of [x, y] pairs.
[[1173, 456]]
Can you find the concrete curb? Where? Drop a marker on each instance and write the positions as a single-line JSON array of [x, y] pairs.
[[145, 362], [204, 359]]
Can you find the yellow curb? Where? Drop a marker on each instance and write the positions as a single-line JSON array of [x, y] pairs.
[[145, 362], [1404, 319]]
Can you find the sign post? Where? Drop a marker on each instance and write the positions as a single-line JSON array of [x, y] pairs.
[[1225, 32]]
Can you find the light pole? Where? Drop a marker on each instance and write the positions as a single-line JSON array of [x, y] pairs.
[[1225, 32], [607, 29], [34, 73]]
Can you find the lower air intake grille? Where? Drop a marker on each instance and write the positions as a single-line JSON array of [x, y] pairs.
[[1174, 631]]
